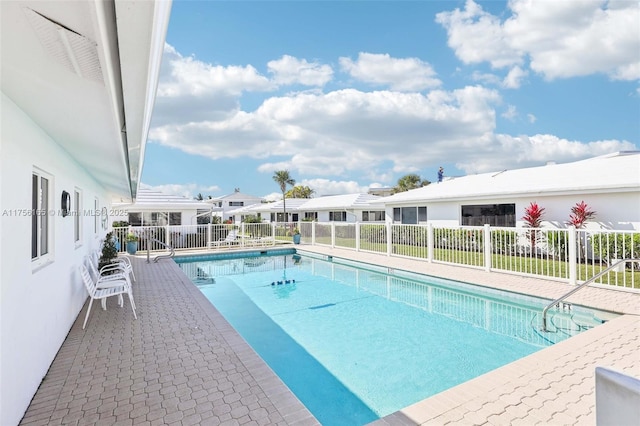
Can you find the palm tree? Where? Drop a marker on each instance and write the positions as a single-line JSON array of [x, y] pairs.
[[300, 191], [283, 179], [408, 182]]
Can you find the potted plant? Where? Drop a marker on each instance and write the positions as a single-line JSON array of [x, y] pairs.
[[132, 243], [109, 251], [296, 235]]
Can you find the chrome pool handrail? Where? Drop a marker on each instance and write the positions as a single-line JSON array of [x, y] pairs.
[[589, 281]]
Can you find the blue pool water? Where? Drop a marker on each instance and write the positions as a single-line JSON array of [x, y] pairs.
[[357, 342]]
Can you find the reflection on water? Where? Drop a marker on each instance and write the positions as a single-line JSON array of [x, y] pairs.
[[498, 312]]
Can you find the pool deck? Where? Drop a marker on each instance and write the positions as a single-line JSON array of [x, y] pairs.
[[181, 363]]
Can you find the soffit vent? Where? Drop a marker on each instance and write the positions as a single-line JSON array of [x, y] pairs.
[[72, 50]]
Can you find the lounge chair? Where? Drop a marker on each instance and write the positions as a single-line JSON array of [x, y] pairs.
[[231, 239]]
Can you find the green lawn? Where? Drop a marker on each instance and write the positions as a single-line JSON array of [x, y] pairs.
[[544, 267]]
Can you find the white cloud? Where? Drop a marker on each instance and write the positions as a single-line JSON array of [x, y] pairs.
[[485, 78], [344, 131], [509, 152], [476, 36], [532, 118], [510, 113], [324, 187], [274, 196], [561, 39], [290, 70], [370, 135], [513, 80], [406, 74]]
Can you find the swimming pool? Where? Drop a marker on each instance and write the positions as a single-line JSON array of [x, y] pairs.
[[357, 342]]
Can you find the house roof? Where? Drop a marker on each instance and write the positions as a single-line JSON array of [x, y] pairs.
[[332, 202], [86, 73], [345, 201], [234, 196], [292, 204], [150, 199], [615, 172]]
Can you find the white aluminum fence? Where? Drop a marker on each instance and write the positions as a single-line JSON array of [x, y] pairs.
[[198, 236], [562, 254]]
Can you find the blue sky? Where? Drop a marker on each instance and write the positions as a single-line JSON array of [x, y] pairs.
[[355, 94]]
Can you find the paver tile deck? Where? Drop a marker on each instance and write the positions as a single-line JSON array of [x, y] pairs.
[[182, 363]]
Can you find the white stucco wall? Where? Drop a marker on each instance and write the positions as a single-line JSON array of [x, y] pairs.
[[188, 215], [37, 307], [614, 210]]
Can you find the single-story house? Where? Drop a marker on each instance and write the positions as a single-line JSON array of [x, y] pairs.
[[78, 86], [608, 184], [155, 208], [349, 208], [332, 208]]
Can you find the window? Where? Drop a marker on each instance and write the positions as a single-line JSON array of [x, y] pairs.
[[135, 219], [236, 203], [422, 214], [40, 220], [491, 214], [157, 218], [410, 215], [337, 216], [77, 217], [295, 217], [311, 216], [373, 216], [175, 218]]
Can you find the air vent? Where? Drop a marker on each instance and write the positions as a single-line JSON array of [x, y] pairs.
[[74, 51]]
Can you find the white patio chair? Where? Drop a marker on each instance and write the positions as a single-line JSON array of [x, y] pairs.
[[231, 239], [122, 260], [115, 288], [107, 275]]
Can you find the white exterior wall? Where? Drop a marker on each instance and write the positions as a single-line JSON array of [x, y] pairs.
[[37, 307], [617, 211], [188, 215]]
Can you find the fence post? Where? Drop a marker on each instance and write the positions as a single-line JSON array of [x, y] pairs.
[[357, 236], [209, 235], [389, 239], [167, 237], [242, 234], [313, 233], [333, 234], [487, 247], [430, 245], [573, 255]]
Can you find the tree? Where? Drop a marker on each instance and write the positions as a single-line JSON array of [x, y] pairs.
[[199, 197], [408, 182], [300, 191], [533, 219], [283, 179]]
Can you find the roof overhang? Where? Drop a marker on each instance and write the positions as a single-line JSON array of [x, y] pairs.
[[86, 72]]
